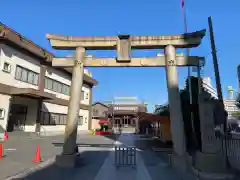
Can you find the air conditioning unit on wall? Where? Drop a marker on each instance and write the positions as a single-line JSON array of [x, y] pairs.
[[6, 67]]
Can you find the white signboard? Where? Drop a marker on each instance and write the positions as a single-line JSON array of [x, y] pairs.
[[126, 108]]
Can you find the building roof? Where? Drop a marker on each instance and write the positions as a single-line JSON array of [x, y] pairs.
[[9, 36], [152, 117], [100, 104]]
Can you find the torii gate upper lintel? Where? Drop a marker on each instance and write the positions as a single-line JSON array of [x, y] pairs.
[[124, 44], [187, 40]]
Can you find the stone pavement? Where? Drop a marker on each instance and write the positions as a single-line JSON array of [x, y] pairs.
[[97, 163], [149, 166], [108, 170]]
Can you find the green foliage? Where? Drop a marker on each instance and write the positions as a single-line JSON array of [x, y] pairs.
[[165, 112], [238, 101], [1, 27], [236, 114], [103, 127], [187, 109]]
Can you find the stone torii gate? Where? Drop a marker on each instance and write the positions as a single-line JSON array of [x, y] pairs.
[[124, 44]]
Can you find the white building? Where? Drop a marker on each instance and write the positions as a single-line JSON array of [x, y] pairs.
[[33, 95], [230, 106], [207, 86]]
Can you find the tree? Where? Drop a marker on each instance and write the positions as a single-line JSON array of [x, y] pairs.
[[186, 112], [238, 101], [236, 114], [194, 108]]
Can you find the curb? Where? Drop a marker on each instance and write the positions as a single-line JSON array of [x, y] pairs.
[[214, 176], [26, 172]]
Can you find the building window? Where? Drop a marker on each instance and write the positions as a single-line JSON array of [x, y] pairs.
[[59, 87], [54, 118], [48, 83], [35, 79], [30, 77], [48, 118], [63, 119], [95, 112], [65, 89], [26, 75], [56, 86], [82, 95], [80, 120]]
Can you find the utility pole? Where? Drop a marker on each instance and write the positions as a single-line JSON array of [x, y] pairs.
[[238, 72], [218, 83], [215, 61]]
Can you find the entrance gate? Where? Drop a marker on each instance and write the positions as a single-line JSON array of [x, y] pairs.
[[17, 117], [124, 44]]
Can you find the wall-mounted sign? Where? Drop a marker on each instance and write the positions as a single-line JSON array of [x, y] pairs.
[[125, 108]]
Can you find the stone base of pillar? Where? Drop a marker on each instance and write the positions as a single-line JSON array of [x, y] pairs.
[[67, 161], [180, 163], [211, 166]]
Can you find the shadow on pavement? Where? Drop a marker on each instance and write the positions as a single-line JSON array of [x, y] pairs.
[[86, 145], [88, 165], [113, 137], [161, 149]]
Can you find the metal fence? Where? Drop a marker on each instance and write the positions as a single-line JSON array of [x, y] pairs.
[[125, 156], [233, 152]]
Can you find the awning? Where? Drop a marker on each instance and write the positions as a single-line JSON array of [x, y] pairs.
[[152, 117], [11, 90], [31, 93], [103, 121], [64, 102]]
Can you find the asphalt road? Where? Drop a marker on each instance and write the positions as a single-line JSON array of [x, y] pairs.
[[20, 152]]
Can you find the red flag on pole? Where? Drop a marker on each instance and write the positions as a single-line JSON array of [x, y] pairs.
[[182, 3]]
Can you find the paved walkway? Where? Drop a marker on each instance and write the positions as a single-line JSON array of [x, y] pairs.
[[108, 170], [142, 172]]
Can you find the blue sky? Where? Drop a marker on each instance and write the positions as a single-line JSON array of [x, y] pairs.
[[153, 17]]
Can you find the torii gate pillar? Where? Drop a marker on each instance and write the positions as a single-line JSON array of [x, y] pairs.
[[68, 156], [178, 159]]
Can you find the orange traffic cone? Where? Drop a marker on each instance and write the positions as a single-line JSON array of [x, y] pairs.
[[5, 136], [1, 151], [37, 158]]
